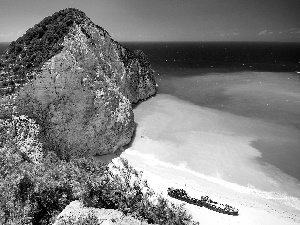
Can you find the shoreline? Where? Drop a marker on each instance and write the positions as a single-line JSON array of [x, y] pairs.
[[267, 212], [153, 146], [160, 178]]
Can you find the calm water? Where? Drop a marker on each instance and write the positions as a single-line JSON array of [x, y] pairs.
[[256, 83], [256, 80], [222, 56]]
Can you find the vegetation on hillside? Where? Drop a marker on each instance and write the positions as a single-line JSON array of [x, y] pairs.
[[36, 191], [36, 46]]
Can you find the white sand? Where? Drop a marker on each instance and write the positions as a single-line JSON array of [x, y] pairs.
[[253, 210], [168, 136]]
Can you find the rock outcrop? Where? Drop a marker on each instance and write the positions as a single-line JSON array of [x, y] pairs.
[[76, 82], [76, 213]]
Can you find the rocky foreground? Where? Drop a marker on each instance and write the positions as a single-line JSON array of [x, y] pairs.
[[76, 213]]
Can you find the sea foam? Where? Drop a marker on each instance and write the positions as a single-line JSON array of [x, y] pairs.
[[282, 197]]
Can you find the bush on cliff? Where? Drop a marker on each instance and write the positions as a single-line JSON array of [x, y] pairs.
[[35, 193], [37, 45]]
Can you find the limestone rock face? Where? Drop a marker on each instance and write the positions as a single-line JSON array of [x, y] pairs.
[[82, 94], [76, 213]]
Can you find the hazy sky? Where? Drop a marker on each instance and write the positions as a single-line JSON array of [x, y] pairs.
[[166, 20]]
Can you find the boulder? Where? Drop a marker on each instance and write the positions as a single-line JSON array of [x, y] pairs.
[[76, 214]]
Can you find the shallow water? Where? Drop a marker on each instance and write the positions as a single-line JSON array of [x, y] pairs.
[[212, 145], [242, 128], [272, 98]]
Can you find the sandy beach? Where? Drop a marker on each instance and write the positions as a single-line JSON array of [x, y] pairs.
[[169, 142]]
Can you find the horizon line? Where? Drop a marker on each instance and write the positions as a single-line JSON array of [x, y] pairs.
[[155, 41]]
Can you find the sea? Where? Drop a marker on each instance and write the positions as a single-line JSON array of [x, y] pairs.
[[256, 85], [254, 88]]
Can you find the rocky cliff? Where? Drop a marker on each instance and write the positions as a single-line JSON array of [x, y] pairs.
[[77, 83]]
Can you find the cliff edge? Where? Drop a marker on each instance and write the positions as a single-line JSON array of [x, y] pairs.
[[77, 83]]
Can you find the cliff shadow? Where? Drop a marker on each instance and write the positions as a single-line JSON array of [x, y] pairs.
[[135, 105], [107, 158], [132, 138]]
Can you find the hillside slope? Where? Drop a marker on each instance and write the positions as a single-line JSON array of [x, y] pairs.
[[76, 82]]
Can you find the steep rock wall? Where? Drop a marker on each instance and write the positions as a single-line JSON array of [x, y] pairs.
[[82, 96]]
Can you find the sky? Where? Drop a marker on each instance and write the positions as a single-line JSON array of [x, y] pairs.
[[166, 20]]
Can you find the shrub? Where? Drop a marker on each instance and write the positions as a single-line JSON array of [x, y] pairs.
[[37, 45], [36, 192]]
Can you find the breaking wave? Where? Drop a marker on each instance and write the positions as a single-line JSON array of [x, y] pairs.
[[282, 198]]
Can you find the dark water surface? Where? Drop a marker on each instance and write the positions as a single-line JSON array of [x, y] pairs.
[[222, 56]]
